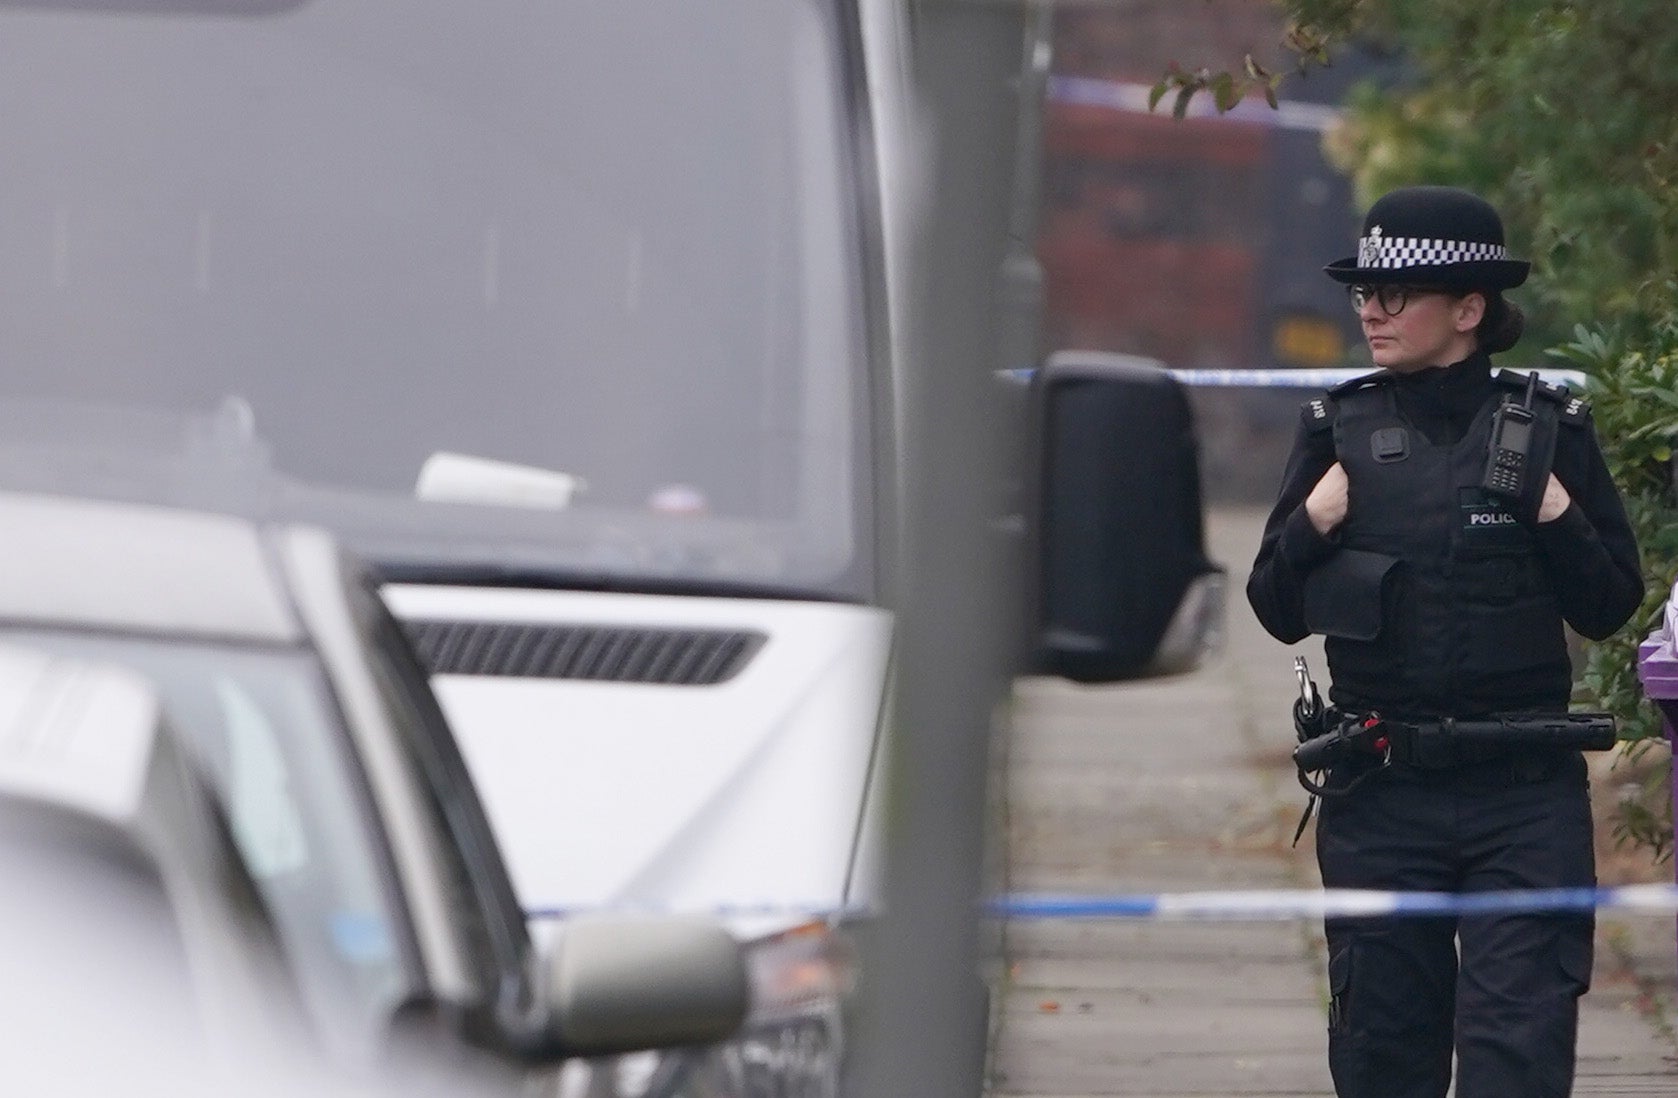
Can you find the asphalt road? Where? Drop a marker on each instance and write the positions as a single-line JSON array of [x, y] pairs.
[[1185, 785]]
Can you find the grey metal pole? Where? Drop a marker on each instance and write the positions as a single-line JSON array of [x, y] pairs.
[[922, 1025]]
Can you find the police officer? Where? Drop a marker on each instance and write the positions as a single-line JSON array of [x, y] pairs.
[[1439, 597]]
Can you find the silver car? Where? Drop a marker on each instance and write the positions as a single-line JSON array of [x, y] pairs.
[[230, 708]]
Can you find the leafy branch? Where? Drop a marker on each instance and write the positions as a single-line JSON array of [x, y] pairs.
[[1227, 88]]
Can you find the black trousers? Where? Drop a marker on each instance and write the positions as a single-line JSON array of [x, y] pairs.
[[1401, 1000]]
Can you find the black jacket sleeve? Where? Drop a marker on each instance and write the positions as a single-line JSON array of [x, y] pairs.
[[1291, 546], [1589, 550]]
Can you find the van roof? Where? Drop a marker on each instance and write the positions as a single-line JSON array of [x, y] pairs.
[[139, 568]]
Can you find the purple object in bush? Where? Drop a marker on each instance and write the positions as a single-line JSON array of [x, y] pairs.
[[1657, 665]]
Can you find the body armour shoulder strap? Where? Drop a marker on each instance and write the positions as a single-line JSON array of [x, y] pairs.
[[1571, 410], [1360, 382], [1318, 415]]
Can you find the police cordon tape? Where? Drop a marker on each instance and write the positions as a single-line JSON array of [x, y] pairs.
[[1325, 378], [1286, 378], [1261, 905], [1281, 904]]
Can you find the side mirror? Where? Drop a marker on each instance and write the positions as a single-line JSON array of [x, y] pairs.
[[1124, 588], [619, 984]]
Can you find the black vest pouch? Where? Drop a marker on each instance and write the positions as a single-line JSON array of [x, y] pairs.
[[1497, 560], [1510, 620], [1346, 596]]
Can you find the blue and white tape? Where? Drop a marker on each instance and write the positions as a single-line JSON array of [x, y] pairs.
[[1323, 378], [1276, 905], [1132, 98], [1293, 379], [1262, 905]]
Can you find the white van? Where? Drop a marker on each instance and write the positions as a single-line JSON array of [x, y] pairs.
[[587, 324]]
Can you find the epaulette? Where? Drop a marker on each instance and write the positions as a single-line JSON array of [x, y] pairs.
[[1315, 415], [1570, 409], [1575, 410], [1360, 382]]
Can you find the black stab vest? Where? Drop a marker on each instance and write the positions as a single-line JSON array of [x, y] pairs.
[[1470, 624]]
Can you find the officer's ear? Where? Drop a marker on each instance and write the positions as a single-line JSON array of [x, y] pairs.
[[1468, 310]]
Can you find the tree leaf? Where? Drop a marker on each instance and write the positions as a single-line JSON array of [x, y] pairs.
[[1224, 93], [1181, 107], [1665, 396]]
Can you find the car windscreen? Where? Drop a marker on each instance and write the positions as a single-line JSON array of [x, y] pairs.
[[261, 726], [553, 286]]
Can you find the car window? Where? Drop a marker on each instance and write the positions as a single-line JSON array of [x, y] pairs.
[[265, 820], [583, 267], [263, 728]]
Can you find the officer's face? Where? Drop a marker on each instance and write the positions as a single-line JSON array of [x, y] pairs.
[[1414, 327]]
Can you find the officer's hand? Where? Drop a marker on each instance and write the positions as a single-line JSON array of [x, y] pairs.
[[1326, 505], [1555, 500]]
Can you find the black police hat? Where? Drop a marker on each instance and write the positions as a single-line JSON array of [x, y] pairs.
[[1440, 236]]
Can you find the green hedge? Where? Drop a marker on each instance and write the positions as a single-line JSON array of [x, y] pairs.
[[1633, 386]]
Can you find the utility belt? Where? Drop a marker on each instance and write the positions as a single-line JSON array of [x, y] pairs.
[[1449, 743], [1329, 736]]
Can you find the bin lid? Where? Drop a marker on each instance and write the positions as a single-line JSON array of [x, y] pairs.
[[1657, 656]]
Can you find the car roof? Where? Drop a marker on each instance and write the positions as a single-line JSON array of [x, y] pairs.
[[139, 568]]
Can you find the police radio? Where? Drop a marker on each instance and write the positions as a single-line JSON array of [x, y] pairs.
[[1506, 464]]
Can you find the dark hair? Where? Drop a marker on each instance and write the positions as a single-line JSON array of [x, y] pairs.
[[1501, 327]]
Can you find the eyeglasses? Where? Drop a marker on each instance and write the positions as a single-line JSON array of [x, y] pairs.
[[1392, 298]]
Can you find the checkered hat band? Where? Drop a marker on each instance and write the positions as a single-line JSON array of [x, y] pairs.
[[1416, 251]]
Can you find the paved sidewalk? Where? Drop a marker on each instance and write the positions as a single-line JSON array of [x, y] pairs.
[[1185, 785]]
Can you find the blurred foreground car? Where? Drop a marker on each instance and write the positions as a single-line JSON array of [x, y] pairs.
[[218, 724]]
